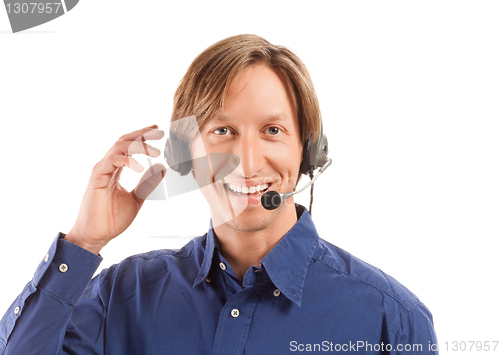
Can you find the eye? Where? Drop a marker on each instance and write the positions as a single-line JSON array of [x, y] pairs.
[[273, 130], [222, 131]]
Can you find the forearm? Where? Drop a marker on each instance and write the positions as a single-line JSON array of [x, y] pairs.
[[40, 328], [36, 322]]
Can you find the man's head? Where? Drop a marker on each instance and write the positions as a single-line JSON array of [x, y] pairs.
[[254, 100], [203, 89]]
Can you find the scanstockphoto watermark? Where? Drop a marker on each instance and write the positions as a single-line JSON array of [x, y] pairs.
[[363, 346]]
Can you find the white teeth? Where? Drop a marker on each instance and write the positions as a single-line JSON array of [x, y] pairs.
[[246, 190], [262, 187]]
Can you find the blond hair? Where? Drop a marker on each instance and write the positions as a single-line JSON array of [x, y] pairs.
[[203, 88]]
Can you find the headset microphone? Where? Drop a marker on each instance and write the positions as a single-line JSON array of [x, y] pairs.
[[273, 199]]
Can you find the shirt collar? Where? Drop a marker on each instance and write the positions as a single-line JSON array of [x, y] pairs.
[[287, 263], [206, 263]]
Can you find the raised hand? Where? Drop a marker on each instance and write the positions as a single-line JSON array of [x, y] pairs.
[[107, 209]]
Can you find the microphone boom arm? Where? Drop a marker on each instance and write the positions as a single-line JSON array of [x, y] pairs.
[[286, 195]]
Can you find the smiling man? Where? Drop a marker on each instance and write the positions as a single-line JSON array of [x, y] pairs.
[[259, 282], [259, 124]]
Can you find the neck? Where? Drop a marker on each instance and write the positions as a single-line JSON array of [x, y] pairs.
[[246, 247]]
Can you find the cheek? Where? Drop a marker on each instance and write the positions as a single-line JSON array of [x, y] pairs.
[[197, 148], [200, 164], [286, 162]]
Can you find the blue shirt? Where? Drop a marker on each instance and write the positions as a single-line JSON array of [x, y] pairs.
[[308, 295]]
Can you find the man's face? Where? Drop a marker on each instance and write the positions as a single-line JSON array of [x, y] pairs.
[[258, 124]]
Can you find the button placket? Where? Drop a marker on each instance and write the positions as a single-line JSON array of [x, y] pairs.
[[234, 323]]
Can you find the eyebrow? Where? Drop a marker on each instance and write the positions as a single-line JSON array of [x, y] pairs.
[[278, 116]]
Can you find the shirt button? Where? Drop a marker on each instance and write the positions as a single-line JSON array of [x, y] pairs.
[[235, 313], [276, 293], [46, 257], [63, 268], [17, 310], [222, 265], [208, 279]]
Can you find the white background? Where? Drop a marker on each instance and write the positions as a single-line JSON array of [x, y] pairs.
[[409, 93]]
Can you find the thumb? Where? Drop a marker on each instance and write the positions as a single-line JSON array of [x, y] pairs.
[[149, 181]]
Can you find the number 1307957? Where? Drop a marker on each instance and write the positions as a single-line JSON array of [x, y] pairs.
[[34, 7], [471, 345]]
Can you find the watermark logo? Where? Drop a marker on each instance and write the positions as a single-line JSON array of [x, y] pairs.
[[216, 172], [24, 15]]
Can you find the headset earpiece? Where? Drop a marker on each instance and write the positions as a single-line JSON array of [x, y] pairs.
[[304, 165], [177, 154], [314, 154]]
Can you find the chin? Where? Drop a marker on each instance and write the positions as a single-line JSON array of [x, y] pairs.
[[253, 219], [243, 213], [248, 218]]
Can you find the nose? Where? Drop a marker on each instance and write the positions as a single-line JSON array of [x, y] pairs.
[[250, 150]]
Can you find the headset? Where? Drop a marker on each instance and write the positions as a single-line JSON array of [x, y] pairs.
[[178, 154], [314, 155]]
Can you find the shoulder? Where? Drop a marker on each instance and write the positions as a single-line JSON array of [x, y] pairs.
[[154, 265], [364, 276], [166, 256], [364, 292]]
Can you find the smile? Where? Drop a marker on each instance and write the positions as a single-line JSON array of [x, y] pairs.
[[247, 190]]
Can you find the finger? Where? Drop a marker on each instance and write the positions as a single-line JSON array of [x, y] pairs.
[[134, 147], [154, 134], [113, 162], [146, 133], [149, 181], [116, 175]]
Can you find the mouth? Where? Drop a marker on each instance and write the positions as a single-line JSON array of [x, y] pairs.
[[247, 191]]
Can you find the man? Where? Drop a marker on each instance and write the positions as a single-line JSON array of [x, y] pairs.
[[259, 282]]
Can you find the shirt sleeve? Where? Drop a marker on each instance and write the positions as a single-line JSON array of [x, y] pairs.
[[413, 332], [37, 320]]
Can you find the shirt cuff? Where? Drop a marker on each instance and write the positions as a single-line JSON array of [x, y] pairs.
[[66, 270]]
